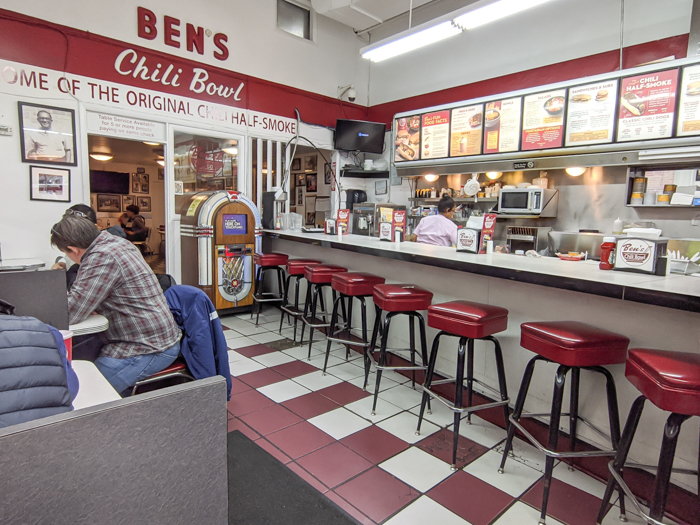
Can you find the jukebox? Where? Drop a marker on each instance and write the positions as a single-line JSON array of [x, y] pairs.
[[220, 231]]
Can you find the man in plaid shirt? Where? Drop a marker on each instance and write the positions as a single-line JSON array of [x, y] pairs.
[[115, 281]]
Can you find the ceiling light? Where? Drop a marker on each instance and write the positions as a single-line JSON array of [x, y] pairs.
[[102, 157], [403, 42], [576, 171], [431, 177], [152, 143], [161, 162], [231, 150], [494, 11], [493, 175]]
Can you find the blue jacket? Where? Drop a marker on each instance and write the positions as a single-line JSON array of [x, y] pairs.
[[35, 378], [203, 343]]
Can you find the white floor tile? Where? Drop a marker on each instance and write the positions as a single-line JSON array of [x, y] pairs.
[[425, 510], [266, 337], [235, 356], [319, 359], [417, 468], [363, 408], [283, 391], [579, 480], [232, 334], [403, 426], [322, 345], [317, 381], [525, 453], [300, 352], [402, 396], [230, 321], [516, 479], [244, 366], [272, 326], [274, 359], [482, 432], [346, 371], [522, 514], [342, 353], [250, 329], [339, 423], [239, 342], [441, 415], [372, 381], [288, 332]]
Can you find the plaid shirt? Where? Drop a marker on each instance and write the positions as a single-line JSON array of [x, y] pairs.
[[115, 281]]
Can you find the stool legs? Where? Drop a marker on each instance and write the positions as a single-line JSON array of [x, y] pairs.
[[370, 350], [459, 388], [429, 379], [663, 475], [284, 302], [382, 360], [331, 328], [314, 302], [501, 371], [573, 411]]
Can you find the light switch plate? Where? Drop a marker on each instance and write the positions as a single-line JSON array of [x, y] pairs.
[[6, 130]]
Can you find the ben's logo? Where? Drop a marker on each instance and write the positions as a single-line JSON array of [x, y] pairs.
[[172, 35], [635, 252], [467, 239], [343, 214]]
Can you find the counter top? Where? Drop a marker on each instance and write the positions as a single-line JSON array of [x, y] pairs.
[[677, 291], [10, 265]]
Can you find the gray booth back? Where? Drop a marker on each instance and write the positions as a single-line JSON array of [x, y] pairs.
[[157, 458]]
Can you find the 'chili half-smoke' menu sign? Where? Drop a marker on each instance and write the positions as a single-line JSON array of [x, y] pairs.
[[465, 136], [435, 135], [591, 114], [689, 108], [543, 120], [502, 125], [647, 106]]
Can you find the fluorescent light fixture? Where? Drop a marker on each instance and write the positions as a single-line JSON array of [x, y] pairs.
[[494, 11], [161, 162], [403, 44], [151, 143], [231, 150], [431, 177], [493, 175], [576, 171], [102, 157]]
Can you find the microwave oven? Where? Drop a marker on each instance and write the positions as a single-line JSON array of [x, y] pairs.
[[529, 201]]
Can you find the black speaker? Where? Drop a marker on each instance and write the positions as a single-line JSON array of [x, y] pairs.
[[268, 210]]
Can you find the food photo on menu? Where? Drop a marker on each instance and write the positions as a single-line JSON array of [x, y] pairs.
[[407, 138], [543, 120], [502, 125], [465, 132], [591, 114], [689, 107]]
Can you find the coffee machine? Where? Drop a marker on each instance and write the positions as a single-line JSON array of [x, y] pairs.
[[352, 197], [362, 218]]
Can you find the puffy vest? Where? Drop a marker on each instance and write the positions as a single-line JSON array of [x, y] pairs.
[[33, 381]]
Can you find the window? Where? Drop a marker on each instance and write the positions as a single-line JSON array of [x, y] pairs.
[[294, 19]]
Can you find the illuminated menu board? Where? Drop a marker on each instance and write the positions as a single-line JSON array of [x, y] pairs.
[[435, 135], [465, 133], [591, 113], [502, 125], [406, 138], [647, 106], [689, 107], [543, 120]]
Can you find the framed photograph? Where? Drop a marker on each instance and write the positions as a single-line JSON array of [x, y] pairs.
[[47, 134], [300, 196], [301, 180], [93, 201], [128, 200], [327, 174], [161, 174], [310, 218], [49, 184], [139, 183], [311, 183], [381, 187], [296, 164], [310, 163], [109, 203], [144, 204], [179, 187]]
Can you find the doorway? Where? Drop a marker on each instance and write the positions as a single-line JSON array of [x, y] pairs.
[[126, 173]]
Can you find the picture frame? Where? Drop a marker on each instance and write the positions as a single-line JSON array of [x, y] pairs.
[[140, 183], [49, 184], [109, 203], [179, 187], [311, 183], [310, 218], [327, 174], [301, 180], [310, 163], [47, 134], [296, 164], [144, 204], [300, 196], [128, 200], [381, 187], [140, 170], [161, 174]]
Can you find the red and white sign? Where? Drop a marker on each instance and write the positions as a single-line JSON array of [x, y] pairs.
[[502, 125], [635, 254], [343, 222], [543, 120], [398, 224], [435, 135], [468, 240], [487, 230]]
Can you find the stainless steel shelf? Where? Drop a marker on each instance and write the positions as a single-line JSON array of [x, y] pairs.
[[458, 200], [662, 206]]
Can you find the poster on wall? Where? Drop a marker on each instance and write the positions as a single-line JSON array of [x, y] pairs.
[[647, 106], [465, 132], [407, 133], [543, 120], [435, 135], [49, 184], [689, 107], [590, 117], [502, 125], [47, 134]]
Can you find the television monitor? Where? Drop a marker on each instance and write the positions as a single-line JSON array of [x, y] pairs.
[[358, 135], [109, 182]]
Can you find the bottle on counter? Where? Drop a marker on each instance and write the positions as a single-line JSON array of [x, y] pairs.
[[617, 226], [607, 253]]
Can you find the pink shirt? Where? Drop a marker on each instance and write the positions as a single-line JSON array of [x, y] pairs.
[[437, 230]]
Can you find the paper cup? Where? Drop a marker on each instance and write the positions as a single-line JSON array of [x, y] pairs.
[[68, 341]]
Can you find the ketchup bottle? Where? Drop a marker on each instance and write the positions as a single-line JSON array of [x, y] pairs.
[[607, 255]]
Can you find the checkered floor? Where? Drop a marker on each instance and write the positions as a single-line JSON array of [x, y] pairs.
[[375, 467]]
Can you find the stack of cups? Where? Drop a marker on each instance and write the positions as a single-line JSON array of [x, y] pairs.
[[68, 341]]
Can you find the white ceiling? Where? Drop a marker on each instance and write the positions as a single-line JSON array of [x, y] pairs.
[[361, 14]]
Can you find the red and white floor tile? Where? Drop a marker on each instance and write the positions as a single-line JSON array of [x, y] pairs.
[[375, 467]]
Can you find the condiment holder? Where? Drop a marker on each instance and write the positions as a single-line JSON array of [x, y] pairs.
[[685, 267]]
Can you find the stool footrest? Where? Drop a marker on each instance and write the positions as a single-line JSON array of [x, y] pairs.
[[631, 497], [464, 410], [268, 300], [346, 337], [453, 379], [315, 322], [417, 367], [291, 310]]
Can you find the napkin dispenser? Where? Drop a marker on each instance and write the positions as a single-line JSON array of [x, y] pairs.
[[634, 254], [468, 239]]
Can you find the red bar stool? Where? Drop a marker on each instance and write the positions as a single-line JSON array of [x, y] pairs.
[[295, 270], [573, 346], [671, 381], [348, 286], [318, 276], [398, 299], [468, 321], [268, 262]]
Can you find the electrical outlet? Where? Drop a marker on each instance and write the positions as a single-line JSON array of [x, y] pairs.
[[695, 221], [6, 130]]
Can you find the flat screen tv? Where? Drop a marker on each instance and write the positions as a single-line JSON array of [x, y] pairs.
[[109, 182], [358, 135]]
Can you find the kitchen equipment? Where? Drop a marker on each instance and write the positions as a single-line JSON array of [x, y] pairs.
[[634, 254], [472, 187], [362, 218], [524, 185], [684, 267], [565, 242], [542, 181], [354, 196], [645, 233], [368, 164], [529, 201], [527, 238]]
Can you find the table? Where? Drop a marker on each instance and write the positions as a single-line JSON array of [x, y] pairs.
[[94, 388], [95, 323], [7, 265]]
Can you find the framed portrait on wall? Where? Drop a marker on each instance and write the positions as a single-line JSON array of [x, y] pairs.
[[310, 218], [300, 180], [161, 173], [310, 163], [128, 200], [311, 183], [300, 196], [296, 164], [107, 202], [139, 183], [49, 184], [327, 174], [381, 187], [144, 204], [47, 134]]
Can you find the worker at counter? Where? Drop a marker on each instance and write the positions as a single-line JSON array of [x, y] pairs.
[[438, 229]]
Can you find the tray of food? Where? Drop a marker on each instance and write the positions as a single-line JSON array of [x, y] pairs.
[[572, 256]]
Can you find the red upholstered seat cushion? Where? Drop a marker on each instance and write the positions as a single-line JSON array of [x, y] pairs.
[[322, 273], [356, 284], [474, 320], [270, 259], [401, 297], [670, 380], [574, 344], [297, 266], [177, 366]]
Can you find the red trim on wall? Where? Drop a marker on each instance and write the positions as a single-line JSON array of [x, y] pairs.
[[570, 70]]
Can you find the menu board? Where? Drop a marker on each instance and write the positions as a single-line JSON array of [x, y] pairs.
[[465, 135], [543, 120], [689, 108], [435, 135], [407, 133], [502, 125], [647, 106], [590, 117]]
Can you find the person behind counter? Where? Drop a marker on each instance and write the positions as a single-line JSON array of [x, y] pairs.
[[115, 281], [438, 229]]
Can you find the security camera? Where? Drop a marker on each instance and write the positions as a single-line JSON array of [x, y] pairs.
[[348, 91], [352, 94]]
